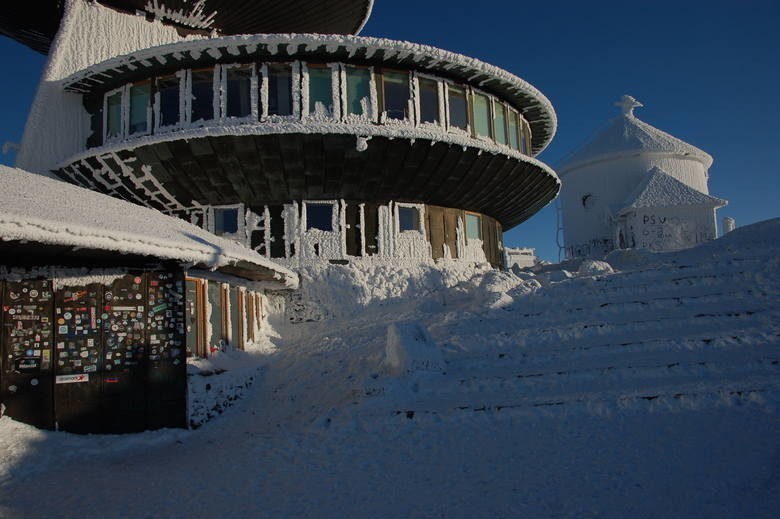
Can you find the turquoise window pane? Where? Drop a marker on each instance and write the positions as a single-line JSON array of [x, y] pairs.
[[139, 107], [358, 91], [500, 123], [320, 90], [473, 227], [513, 129], [482, 125]]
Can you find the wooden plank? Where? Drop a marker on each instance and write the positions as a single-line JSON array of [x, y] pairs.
[[435, 228]]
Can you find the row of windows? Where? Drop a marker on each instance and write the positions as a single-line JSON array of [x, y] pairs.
[[251, 93], [235, 316], [320, 215]]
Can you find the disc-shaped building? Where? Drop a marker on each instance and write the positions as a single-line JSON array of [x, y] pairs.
[[301, 146], [279, 136]]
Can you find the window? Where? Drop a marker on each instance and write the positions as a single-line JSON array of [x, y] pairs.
[[168, 94], [500, 122], [319, 216], [140, 93], [114, 115], [513, 130], [395, 87], [473, 226], [238, 90], [280, 89], [482, 126], [429, 101], [408, 219], [358, 91], [458, 107], [202, 100], [225, 220], [320, 91]]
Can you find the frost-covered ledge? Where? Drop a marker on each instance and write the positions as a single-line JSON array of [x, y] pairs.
[[360, 131]]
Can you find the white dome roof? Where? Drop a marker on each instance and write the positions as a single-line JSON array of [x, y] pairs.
[[627, 135]]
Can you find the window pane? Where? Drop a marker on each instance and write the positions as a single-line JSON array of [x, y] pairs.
[[319, 216], [458, 108], [513, 129], [429, 101], [114, 115], [280, 90], [482, 125], [168, 91], [500, 121], [225, 221], [358, 91], [139, 107], [239, 88], [202, 95], [396, 90], [408, 219], [473, 227], [320, 91]]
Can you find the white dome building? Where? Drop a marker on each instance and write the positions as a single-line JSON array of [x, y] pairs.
[[635, 186]]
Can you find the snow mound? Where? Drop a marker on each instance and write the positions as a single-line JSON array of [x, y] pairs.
[[410, 348], [591, 267]]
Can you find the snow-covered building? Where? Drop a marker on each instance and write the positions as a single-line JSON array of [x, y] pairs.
[[250, 137], [635, 186], [301, 146], [523, 257]]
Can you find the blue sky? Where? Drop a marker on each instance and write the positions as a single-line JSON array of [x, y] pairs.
[[707, 72]]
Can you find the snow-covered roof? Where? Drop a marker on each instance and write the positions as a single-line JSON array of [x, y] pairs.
[[535, 107], [627, 135], [660, 189], [39, 209]]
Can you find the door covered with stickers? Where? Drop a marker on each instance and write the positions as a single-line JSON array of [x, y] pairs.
[[102, 358], [26, 345]]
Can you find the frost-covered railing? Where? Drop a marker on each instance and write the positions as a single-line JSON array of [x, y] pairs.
[[272, 95]]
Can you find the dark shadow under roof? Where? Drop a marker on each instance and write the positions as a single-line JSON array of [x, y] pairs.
[[35, 22]]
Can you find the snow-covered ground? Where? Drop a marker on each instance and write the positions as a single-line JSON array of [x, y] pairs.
[[650, 391]]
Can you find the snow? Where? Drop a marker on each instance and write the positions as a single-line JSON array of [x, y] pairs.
[[628, 135], [650, 391], [663, 190], [40, 209]]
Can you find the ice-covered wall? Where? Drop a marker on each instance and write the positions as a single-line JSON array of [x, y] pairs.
[[58, 124], [591, 195], [666, 229]]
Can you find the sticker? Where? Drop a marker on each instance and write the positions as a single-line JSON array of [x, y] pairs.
[[84, 354], [109, 296], [90, 369], [33, 293], [139, 296], [137, 280], [63, 329], [11, 311], [111, 380], [34, 382], [71, 379]]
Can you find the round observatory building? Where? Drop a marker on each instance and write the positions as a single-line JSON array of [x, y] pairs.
[[301, 146], [635, 186]]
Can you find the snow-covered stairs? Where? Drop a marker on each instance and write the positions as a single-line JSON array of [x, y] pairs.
[[700, 331]]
